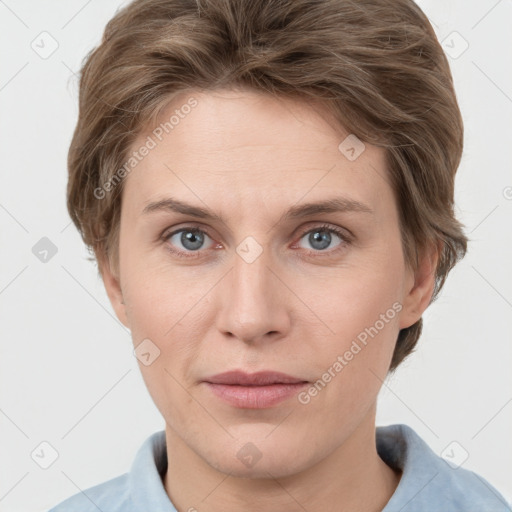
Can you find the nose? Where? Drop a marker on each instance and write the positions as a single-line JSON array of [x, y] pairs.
[[255, 302]]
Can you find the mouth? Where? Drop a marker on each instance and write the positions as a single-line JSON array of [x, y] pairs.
[[254, 391]]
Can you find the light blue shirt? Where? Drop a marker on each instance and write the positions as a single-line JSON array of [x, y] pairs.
[[428, 483]]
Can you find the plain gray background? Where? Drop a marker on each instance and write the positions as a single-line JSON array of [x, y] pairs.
[[68, 374]]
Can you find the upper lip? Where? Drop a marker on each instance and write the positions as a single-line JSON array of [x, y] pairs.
[[263, 378]]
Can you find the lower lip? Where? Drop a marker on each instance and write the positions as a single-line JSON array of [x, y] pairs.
[[255, 397]]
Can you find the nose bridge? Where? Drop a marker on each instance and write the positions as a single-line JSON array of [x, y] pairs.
[[252, 304], [250, 279]]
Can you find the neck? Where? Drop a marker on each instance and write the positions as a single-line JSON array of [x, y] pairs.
[[352, 478]]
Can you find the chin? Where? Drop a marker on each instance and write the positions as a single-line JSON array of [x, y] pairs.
[[264, 468], [256, 454]]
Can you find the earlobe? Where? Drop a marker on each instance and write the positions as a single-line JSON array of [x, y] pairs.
[[113, 288], [420, 287]]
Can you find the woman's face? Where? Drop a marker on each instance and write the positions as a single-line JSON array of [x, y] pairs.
[[260, 282]]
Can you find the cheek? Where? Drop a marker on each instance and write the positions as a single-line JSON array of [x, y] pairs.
[[161, 309], [355, 299], [167, 305], [158, 294], [359, 311], [351, 362]]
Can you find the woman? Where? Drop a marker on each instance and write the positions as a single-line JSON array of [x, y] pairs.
[[268, 189]]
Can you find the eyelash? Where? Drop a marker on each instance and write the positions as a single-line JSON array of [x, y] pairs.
[[344, 237]]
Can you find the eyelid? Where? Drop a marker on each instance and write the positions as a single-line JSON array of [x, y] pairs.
[[343, 233], [168, 232]]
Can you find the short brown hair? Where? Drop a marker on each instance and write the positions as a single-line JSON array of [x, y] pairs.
[[376, 65]]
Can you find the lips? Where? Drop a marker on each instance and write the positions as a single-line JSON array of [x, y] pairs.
[[259, 390], [263, 378]]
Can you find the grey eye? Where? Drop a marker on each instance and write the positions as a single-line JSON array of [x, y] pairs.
[[320, 239], [190, 239]]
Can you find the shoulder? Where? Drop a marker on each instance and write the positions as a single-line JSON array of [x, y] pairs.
[[109, 496], [141, 489], [428, 481]]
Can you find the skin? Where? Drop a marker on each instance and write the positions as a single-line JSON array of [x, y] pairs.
[[249, 158]]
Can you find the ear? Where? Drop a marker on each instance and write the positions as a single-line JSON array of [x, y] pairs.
[[110, 277], [420, 285]]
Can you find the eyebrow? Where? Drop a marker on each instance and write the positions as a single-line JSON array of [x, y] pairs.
[[174, 205], [332, 205]]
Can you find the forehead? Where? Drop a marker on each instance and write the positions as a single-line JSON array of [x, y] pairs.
[[225, 144]]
